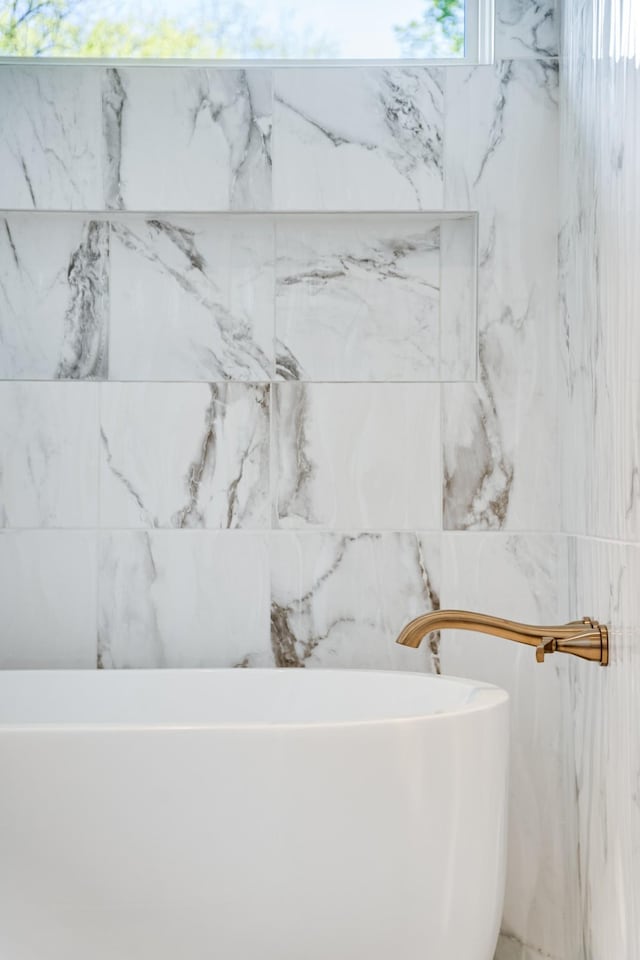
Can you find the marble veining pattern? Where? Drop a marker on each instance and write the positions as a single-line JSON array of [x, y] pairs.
[[50, 137], [170, 599], [84, 348], [358, 300], [358, 138], [527, 28], [599, 341], [499, 455], [184, 455], [54, 298], [209, 148], [358, 456], [524, 577], [511, 947], [341, 599], [192, 300], [48, 454], [170, 297], [604, 709], [600, 288], [113, 102]]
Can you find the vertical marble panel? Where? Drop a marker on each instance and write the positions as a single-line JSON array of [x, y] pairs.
[[600, 283], [357, 456], [605, 709], [524, 577], [50, 137], [48, 599], [600, 338], [48, 454], [206, 148], [358, 138], [184, 455], [54, 297], [358, 298], [526, 28], [581, 329], [340, 600], [186, 598], [500, 435], [192, 299]]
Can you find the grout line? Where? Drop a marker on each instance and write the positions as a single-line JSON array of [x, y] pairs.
[[248, 383], [599, 539], [441, 456], [431, 215], [99, 517], [313, 531], [109, 301], [271, 506]]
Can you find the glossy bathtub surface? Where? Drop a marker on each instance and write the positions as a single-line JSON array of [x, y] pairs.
[[250, 815], [231, 698]]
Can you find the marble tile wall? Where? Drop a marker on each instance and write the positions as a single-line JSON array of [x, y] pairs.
[[526, 29], [499, 435], [600, 300], [232, 438], [525, 576], [246, 370]]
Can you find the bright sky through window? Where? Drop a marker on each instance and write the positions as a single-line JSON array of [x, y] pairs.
[[295, 29]]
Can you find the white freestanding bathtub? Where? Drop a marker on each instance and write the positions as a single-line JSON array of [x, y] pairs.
[[250, 815]]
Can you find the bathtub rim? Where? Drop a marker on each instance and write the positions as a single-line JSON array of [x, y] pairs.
[[488, 697]]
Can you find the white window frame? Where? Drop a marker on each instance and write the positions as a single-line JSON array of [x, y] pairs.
[[479, 26], [479, 18]]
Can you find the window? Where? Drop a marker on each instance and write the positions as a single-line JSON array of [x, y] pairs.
[[319, 30]]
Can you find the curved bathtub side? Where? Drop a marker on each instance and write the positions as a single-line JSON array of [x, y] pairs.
[[366, 840]]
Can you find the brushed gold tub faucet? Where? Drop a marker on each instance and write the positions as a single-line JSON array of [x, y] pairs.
[[584, 638]]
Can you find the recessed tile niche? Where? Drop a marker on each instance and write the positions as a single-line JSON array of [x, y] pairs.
[[375, 297], [312, 297]]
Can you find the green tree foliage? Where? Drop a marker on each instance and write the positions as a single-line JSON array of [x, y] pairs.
[[126, 38], [440, 32], [224, 28], [80, 28], [31, 27]]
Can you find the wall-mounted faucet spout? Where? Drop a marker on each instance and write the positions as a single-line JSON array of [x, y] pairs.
[[584, 638]]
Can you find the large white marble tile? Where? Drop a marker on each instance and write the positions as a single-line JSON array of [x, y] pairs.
[[187, 138], [192, 299], [48, 454], [358, 138], [340, 600], [500, 435], [184, 455], [358, 298], [50, 137], [523, 577], [54, 297], [526, 28], [357, 456], [47, 599], [183, 598]]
